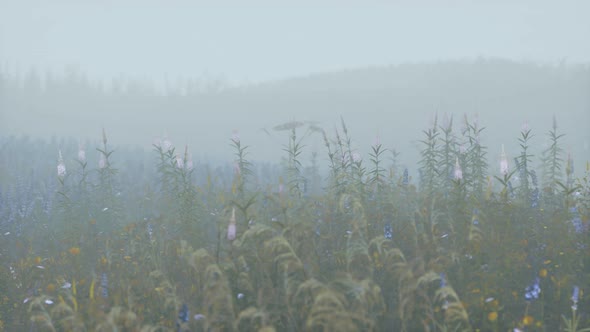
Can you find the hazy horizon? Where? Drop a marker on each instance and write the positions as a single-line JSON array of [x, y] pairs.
[[240, 44]]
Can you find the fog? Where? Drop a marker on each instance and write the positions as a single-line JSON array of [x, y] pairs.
[[198, 71]]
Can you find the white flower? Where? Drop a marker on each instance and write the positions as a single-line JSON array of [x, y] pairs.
[[102, 162], [235, 137], [356, 157], [81, 153], [458, 170], [166, 144], [61, 167], [82, 156], [179, 162], [503, 162]]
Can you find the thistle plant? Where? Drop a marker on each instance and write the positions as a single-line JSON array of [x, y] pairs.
[[446, 153], [294, 167], [377, 172], [475, 164], [523, 163], [506, 175], [109, 206], [429, 162], [242, 172], [186, 195], [569, 187], [552, 159]]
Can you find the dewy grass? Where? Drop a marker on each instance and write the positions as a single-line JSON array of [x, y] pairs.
[[164, 244]]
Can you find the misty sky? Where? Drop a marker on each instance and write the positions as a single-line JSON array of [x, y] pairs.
[[262, 41]]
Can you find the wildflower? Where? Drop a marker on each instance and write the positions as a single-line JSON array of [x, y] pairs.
[[475, 218], [61, 167], [458, 171], [74, 251], [503, 162], [102, 161], [150, 231], [575, 297], [356, 157], [577, 221], [535, 197], [231, 228], [166, 144], [104, 284], [388, 231], [543, 273], [443, 280], [81, 154], [493, 316], [50, 288], [532, 292], [528, 320], [183, 315], [235, 137], [179, 162]]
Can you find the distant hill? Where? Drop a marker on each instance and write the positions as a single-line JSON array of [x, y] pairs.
[[394, 102]]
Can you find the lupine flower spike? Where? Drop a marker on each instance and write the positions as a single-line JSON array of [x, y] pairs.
[[231, 228]]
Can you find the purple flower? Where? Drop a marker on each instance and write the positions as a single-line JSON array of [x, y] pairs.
[[388, 231], [532, 292]]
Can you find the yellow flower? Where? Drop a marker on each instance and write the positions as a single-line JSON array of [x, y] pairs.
[[543, 273], [493, 316], [50, 288], [528, 320]]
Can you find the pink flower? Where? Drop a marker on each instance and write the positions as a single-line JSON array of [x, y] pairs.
[[231, 231], [458, 170], [231, 228], [503, 162]]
